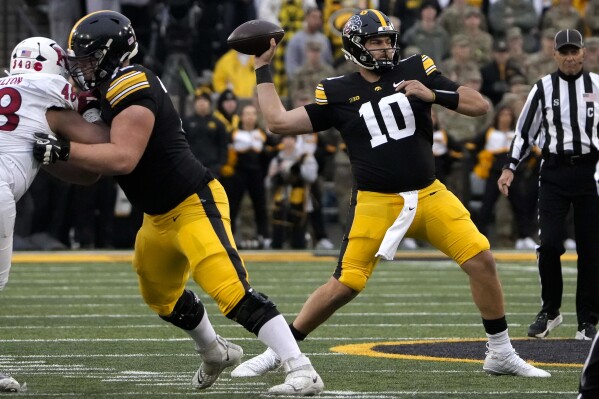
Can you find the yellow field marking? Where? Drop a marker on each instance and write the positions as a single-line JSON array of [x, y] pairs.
[[255, 256], [366, 349]]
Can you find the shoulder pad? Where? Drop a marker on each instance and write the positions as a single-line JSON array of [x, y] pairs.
[[124, 82]]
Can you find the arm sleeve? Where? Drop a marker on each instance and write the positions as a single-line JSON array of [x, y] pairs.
[[320, 116]]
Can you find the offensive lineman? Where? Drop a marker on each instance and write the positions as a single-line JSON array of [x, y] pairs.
[[384, 115], [186, 228], [35, 97]]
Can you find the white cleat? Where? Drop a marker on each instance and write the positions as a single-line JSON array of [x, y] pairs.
[[510, 364], [219, 356], [9, 384], [258, 365], [301, 379]]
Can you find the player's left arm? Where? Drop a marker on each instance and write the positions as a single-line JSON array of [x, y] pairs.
[[72, 126]]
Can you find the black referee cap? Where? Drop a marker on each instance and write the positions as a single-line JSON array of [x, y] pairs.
[[568, 37]]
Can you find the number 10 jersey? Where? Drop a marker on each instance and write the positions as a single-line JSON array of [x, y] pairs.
[[388, 136]]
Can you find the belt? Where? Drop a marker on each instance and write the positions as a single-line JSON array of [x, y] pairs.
[[571, 159]]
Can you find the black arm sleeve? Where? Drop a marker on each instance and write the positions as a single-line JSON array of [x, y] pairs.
[[320, 116]]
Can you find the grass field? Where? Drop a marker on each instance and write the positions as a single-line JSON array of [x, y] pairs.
[[81, 330]]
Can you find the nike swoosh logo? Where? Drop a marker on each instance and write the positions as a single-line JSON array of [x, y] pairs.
[[411, 208], [397, 84], [176, 217], [314, 379]]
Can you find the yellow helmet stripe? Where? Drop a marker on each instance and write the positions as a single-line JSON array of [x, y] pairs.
[[79, 23], [380, 17]]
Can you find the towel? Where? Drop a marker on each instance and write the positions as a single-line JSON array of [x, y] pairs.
[[399, 228]]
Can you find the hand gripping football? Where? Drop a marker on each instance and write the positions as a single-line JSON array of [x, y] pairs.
[[253, 37]]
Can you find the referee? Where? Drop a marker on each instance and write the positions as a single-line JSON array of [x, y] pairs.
[[561, 115]]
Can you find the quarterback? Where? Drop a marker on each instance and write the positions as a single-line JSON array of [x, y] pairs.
[[384, 115], [35, 97], [186, 229]]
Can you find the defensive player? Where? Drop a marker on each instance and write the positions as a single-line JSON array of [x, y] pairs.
[[384, 115], [186, 228], [35, 97]]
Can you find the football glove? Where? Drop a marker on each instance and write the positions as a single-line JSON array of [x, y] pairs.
[[48, 149]]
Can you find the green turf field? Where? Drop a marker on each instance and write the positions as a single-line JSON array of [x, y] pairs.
[[81, 330]]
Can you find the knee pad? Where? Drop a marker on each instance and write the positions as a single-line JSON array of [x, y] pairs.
[[253, 311], [188, 311]]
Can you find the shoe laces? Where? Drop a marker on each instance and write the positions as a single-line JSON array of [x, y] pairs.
[[511, 360]]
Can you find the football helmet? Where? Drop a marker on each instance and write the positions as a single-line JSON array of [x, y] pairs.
[[99, 43], [362, 26], [38, 55]]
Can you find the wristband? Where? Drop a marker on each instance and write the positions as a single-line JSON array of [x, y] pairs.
[[263, 74], [448, 99]]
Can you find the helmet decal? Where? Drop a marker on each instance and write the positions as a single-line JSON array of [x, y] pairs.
[[354, 24], [38, 54]]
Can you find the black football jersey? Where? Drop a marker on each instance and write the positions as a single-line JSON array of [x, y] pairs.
[[388, 136], [167, 172]]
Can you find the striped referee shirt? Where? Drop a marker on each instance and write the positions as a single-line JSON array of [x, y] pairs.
[[561, 116]]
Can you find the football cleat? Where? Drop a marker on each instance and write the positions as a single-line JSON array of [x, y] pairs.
[[258, 365], [301, 379], [586, 332], [9, 384], [543, 324], [219, 356], [510, 364]]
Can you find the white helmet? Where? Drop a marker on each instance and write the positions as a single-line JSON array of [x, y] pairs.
[[38, 54]]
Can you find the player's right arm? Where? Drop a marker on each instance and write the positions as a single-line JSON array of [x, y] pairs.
[[278, 119]]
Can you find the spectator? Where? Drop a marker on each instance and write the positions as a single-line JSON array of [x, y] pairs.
[[296, 54], [504, 14], [446, 150], [427, 34], [92, 209], [496, 74], [561, 15], [591, 59], [248, 142], [452, 17], [459, 64], [541, 63], [515, 43], [207, 136], [226, 110], [235, 71], [591, 17], [481, 41], [290, 176], [311, 71], [493, 147], [322, 146], [62, 14]]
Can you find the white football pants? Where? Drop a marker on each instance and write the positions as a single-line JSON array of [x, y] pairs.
[[8, 213]]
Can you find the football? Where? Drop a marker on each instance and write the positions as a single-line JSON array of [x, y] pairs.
[[253, 37]]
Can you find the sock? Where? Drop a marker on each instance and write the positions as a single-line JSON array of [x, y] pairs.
[[204, 334], [276, 335], [500, 342], [299, 336]]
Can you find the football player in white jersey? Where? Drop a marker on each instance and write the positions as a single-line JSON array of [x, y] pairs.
[[35, 98]]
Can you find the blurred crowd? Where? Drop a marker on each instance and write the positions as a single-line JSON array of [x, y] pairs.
[[286, 193]]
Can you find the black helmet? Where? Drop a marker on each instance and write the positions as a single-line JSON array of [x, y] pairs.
[[99, 44], [362, 26]]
